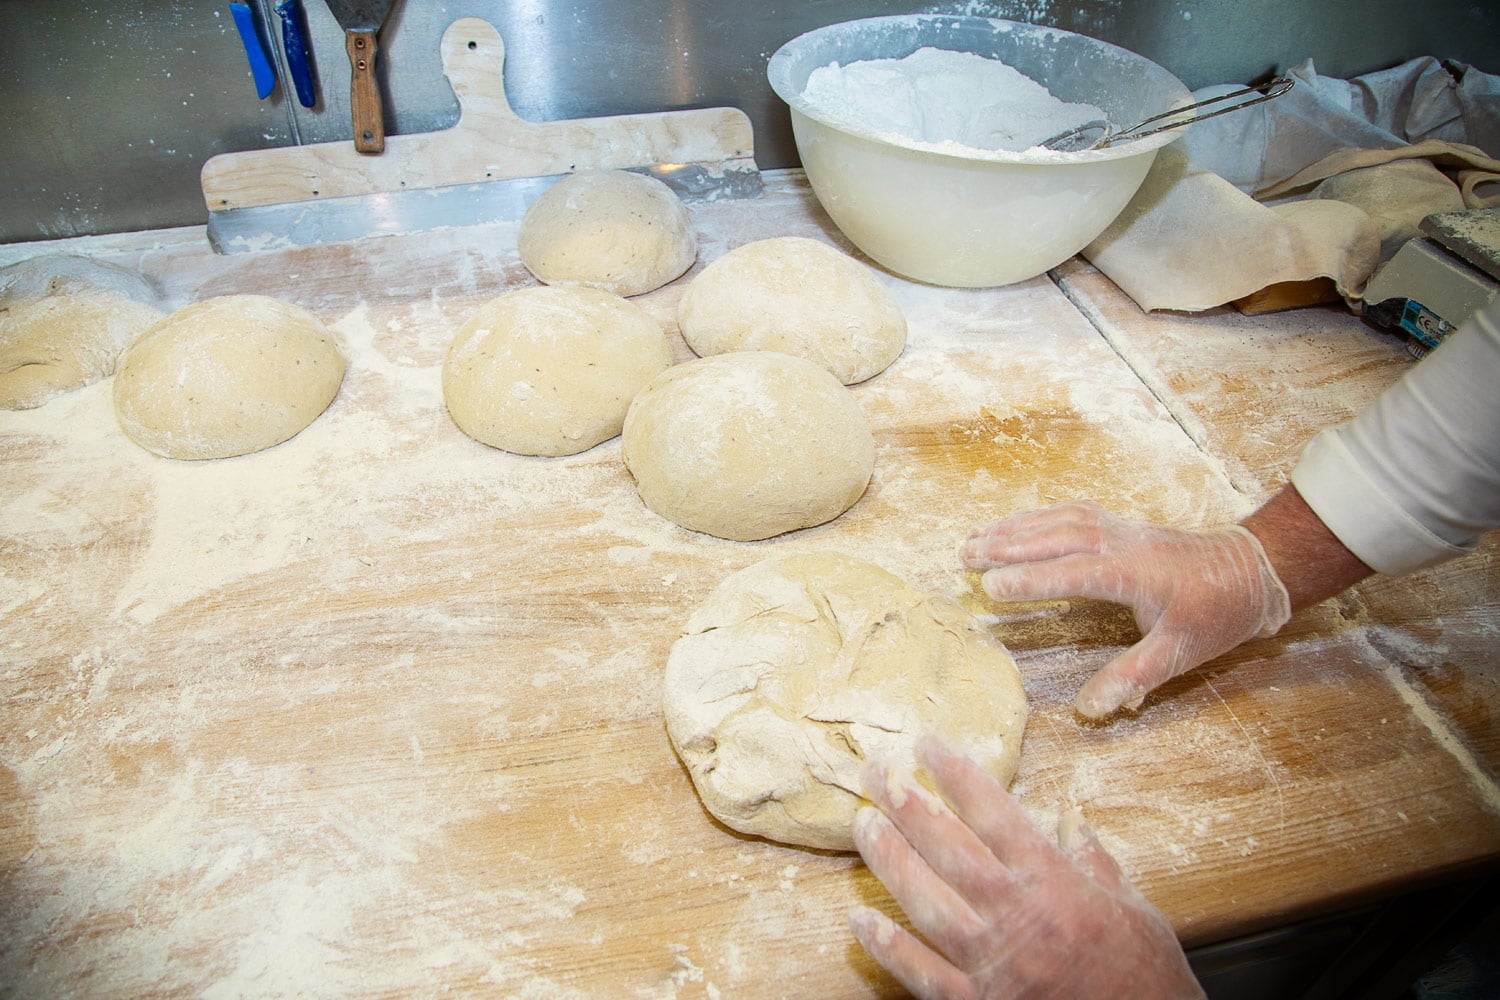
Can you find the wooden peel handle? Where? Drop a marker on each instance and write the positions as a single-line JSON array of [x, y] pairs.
[[364, 94]]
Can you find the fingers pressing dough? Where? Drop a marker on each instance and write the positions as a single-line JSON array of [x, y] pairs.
[[798, 669]]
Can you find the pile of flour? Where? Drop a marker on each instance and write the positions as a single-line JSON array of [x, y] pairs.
[[944, 98]]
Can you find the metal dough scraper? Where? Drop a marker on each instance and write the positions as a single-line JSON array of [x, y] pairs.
[[361, 21], [488, 167]]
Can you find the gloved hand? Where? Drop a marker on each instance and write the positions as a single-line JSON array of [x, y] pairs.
[[1195, 594], [1009, 913]]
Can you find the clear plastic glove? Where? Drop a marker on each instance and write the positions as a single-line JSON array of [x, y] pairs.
[[1196, 594], [1008, 913]]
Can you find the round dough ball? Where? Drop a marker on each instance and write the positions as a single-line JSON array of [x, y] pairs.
[[749, 445], [226, 376], [796, 296], [551, 371], [64, 321], [798, 669], [614, 230]]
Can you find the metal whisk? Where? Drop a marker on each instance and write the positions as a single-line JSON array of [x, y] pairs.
[[1097, 134]]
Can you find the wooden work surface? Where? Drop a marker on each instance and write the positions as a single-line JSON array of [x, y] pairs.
[[377, 711], [1270, 383]]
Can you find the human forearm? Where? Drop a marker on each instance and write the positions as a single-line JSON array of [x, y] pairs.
[[1309, 559]]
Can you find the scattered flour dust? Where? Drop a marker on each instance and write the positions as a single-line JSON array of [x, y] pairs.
[[381, 464], [247, 845], [284, 864], [936, 97]]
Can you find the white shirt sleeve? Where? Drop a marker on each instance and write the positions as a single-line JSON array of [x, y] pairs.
[[1414, 478]]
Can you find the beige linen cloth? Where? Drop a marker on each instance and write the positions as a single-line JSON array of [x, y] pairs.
[[1327, 180]]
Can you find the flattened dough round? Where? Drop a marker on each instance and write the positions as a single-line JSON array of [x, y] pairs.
[[64, 321], [226, 376], [621, 232], [797, 296], [551, 371], [797, 669], [749, 445]]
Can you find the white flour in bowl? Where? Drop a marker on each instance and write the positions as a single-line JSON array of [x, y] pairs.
[[944, 98]]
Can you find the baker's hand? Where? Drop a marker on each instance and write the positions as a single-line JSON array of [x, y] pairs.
[[1196, 594], [1007, 912]]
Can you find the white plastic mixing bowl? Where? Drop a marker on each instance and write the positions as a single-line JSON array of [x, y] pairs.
[[974, 218]]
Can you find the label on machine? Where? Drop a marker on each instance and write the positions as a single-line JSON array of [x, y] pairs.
[[1424, 329]]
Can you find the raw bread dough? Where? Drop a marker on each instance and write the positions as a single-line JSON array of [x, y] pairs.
[[226, 376], [797, 296], [748, 445], [796, 670], [64, 321], [551, 371], [614, 230]]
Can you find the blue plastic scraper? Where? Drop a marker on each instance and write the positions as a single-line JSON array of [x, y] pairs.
[[255, 49], [298, 56]]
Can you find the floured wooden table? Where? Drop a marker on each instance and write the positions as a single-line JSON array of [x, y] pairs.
[[377, 711]]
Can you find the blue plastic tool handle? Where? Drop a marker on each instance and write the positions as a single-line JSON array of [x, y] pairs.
[[255, 50], [294, 43]]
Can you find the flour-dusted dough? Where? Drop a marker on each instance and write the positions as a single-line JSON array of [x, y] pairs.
[[64, 321], [799, 668], [226, 376], [614, 230], [797, 296], [551, 371], [748, 445]]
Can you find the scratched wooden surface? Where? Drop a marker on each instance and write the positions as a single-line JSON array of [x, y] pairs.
[[376, 712], [1270, 384]]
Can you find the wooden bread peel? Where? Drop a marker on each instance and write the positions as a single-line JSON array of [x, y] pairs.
[[489, 166]]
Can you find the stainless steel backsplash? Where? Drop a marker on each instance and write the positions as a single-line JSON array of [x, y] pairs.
[[108, 110]]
